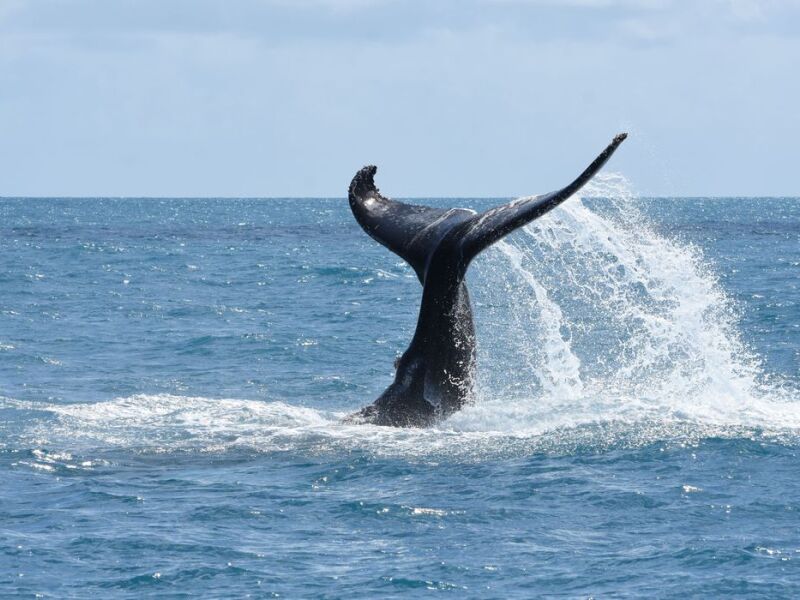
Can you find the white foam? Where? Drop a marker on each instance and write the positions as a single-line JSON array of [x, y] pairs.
[[166, 424]]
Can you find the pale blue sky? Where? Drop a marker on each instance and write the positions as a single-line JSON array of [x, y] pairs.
[[447, 97]]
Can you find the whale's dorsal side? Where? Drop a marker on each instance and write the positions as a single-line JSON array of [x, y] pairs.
[[434, 375]]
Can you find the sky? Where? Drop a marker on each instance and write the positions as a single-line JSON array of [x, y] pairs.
[[454, 98]]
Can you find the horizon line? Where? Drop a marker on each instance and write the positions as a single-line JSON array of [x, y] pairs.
[[400, 198]]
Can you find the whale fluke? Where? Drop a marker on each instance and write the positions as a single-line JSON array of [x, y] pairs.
[[434, 375], [491, 226], [409, 230]]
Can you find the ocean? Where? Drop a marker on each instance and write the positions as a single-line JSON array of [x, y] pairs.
[[173, 375]]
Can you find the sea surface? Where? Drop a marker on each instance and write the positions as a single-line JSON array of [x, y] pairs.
[[173, 374]]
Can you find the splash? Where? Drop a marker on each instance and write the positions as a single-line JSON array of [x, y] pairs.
[[633, 326]]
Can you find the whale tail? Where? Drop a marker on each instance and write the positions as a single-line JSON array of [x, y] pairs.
[[434, 375], [414, 232]]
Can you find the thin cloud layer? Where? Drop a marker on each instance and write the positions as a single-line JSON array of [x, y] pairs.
[[467, 97], [389, 18]]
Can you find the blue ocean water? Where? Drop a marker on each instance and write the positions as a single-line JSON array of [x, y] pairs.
[[173, 372]]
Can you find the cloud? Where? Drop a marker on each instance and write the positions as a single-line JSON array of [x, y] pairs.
[[275, 20], [276, 97]]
